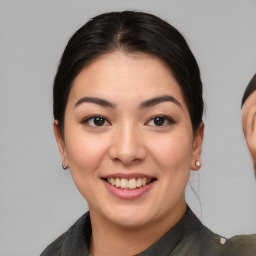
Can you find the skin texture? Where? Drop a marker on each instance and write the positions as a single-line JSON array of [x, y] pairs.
[[249, 125], [129, 143]]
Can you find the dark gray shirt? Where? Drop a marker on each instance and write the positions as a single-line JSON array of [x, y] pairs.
[[188, 237]]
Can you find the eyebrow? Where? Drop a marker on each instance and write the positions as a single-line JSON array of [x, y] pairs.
[[94, 100], [148, 103], [160, 99]]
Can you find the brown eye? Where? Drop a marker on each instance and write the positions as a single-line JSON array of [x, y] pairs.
[[160, 121], [99, 121], [96, 121]]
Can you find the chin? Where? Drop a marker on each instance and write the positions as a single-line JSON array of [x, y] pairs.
[[131, 221], [130, 217]]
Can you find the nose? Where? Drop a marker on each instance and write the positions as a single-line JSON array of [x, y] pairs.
[[127, 145]]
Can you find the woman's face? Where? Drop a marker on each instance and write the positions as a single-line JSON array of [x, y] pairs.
[[128, 139]]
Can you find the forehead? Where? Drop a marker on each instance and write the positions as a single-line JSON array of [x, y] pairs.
[[123, 73]]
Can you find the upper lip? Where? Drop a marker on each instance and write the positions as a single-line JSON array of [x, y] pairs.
[[128, 176]]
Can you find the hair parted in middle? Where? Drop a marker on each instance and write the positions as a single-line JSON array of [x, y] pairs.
[[129, 32]]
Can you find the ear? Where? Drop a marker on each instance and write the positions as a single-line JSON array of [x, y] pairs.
[[60, 142], [250, 126], [197, 147], [250, 131]]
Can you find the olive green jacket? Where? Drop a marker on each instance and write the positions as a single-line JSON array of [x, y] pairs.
[[188, 237]]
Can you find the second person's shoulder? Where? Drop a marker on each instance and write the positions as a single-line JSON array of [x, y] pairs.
[[243, 245]]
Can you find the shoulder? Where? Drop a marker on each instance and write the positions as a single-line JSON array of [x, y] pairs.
[[75, 239], [54, 249], [213, 244], [204, 242], [199, 240], [243, 245]]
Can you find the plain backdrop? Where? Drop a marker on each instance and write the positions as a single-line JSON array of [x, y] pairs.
[[38, 199]]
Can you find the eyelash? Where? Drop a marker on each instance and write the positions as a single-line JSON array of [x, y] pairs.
[[167, 120], [93, 118]]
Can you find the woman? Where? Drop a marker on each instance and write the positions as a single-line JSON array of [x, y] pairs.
[[128, 122]]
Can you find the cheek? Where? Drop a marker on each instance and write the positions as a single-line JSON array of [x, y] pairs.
[[84, 157], [172, 152], [84, 152]]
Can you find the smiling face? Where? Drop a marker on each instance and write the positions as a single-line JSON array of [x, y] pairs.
[[128, 139]]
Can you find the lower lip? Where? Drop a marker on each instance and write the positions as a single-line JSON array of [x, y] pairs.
[[129, 194]]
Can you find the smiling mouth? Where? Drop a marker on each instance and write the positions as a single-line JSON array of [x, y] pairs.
[[129, 184]]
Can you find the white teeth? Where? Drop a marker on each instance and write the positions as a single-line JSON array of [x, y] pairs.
[[128, 184], [118, 183], [132, 183], [139, 183], [124, 183]]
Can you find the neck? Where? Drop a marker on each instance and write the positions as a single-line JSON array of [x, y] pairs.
[[109, 238]]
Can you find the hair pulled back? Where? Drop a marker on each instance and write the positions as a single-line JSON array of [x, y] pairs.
[[129, 31]]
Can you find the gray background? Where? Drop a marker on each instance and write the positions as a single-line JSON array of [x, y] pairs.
[[38, 200]]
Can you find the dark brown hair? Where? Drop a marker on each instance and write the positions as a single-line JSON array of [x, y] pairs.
[[129, 31]]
